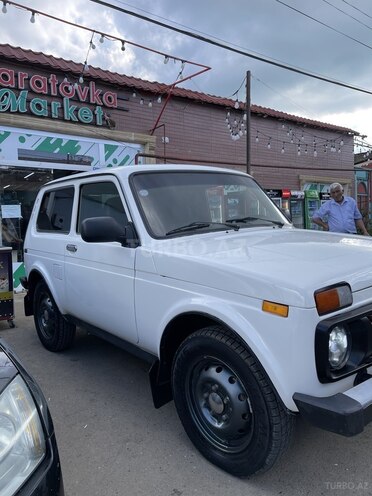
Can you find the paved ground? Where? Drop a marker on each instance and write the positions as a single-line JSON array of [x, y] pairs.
[[113, 442]]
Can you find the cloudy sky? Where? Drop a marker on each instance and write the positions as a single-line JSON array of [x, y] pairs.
[[331, 38]]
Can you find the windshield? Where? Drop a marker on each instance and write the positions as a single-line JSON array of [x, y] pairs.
[[174, 203]]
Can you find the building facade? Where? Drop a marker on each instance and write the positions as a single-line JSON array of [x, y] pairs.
[[58, 117]]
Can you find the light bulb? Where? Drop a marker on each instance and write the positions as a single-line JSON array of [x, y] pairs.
[[86, 66], [315, 153], [244, 116], [134, 94], [182, 66], [92, 45], [236, 104], [102, 39], [123, 46], [269, 145], [32, 19], [342, 142], [283, 149], [81, 80], [159, 99], [166, 59], [141, 101], [150, 103], [4, 9]]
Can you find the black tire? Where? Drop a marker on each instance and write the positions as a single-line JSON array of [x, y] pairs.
[[55, 333], [227, 405]]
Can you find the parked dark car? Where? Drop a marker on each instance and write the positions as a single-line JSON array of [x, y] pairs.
[[29, 459]]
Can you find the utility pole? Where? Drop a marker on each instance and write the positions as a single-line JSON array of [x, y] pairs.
[[248, 122]]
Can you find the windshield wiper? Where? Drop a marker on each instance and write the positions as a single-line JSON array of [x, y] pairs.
[[247, 219], [200, 225]]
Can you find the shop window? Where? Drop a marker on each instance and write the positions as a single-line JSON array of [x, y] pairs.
[[55, 211]]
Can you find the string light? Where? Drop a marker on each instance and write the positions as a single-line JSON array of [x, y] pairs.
[[81, 80], [150, 103], [86, 66], [123, 46], [159, 99], [134, 94], [236, 104], [92, 45], [236, 124], [166, 59], [32, 18], [4, 9], [102, 39]]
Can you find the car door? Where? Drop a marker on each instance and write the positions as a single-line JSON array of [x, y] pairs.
[[100, 276]]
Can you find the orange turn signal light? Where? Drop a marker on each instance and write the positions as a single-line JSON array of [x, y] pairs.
[[275, 308], [333, 298]]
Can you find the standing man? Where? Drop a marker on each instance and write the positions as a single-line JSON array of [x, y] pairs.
[[340, 213]]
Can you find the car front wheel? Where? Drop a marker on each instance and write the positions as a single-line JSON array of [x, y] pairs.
[[227, 405]]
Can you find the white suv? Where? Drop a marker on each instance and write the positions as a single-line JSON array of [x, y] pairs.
[[246, 321]]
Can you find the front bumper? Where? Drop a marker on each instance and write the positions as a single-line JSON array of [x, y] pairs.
[[344, 413]]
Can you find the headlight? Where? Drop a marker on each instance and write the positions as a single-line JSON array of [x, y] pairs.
[[22, 442], [333, 298], [338, 347]]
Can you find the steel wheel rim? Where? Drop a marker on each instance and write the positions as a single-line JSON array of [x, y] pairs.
[[220, 405], [46, 316]]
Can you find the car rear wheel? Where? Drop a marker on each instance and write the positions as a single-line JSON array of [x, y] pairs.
[[55, 333], [227, 405]]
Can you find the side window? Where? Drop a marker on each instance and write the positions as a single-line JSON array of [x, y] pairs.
[[101, 200], [55, 210]]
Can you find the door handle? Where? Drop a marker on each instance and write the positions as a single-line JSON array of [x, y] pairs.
[[72, 248]]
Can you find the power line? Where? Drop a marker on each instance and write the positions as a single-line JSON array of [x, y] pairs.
[[324, 24], [348, 15], [356, 8], [245, 53]]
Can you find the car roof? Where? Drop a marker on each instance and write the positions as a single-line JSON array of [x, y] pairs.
[[125, 171]]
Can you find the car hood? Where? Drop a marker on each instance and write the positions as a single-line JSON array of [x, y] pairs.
[[282, 265]]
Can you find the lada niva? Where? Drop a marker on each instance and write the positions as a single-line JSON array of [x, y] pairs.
[[247, 322]]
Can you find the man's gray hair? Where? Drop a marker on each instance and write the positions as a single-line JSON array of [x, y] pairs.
[[334, 186]]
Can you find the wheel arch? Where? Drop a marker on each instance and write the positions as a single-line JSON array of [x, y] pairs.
[[176, 331], [33, 279]]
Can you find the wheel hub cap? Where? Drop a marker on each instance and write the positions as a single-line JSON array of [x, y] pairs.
[[222, 406], [215, 403]]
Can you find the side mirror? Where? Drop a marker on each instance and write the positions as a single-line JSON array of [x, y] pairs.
[[106, 229]]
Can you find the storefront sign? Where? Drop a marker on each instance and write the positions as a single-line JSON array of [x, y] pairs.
[[10, 101], [24, 146]]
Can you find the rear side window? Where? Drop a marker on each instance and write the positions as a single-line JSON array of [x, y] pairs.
[[55, 211], [101, 199]]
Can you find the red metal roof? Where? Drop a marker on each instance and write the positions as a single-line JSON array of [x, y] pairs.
[[30, 57]]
